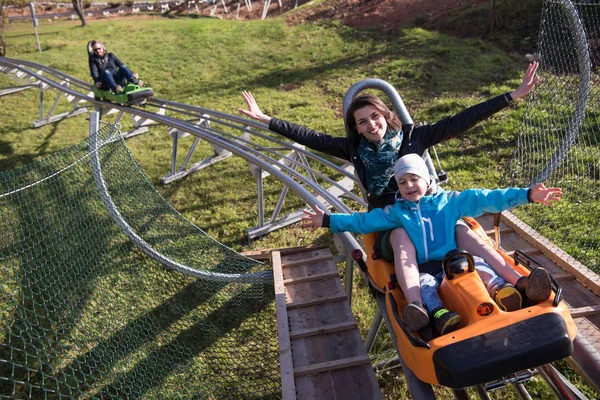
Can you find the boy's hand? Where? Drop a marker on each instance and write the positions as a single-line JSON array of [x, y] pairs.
[[541, 194], [313, 220]]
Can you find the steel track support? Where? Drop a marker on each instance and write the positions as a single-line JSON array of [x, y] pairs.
[[178, 173], [292, 160], [49, 118]]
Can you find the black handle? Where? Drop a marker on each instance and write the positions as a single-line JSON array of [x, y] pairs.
[[358, 256], [454, 255]]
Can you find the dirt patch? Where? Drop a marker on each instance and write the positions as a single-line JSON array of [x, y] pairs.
[[379, 13], [384, 14]]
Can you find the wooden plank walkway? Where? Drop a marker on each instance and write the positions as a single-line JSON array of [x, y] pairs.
[[581, 287], [322, 355]]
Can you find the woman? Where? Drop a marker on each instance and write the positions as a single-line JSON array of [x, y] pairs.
[[108, 72]]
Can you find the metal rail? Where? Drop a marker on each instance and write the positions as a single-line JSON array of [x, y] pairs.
[[266, 158]]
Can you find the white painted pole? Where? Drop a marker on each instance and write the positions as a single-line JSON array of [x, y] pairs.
[[35, 24]]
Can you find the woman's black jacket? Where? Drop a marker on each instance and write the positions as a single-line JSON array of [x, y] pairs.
[[421, 138]]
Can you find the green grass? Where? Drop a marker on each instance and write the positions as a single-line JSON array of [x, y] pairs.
[[300, 73]]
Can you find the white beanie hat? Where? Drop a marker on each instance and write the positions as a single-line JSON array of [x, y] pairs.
[[412, 164]]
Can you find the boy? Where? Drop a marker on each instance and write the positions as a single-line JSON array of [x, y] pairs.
[[429, 216]]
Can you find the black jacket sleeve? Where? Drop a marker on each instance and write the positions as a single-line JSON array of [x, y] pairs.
[[94, 70], [337, 147], [452, 126], [116, 60]]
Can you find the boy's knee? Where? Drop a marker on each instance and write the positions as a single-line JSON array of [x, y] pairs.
[[461, 228], [427, 280]]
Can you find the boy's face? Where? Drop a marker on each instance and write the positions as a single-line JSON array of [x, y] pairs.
[[412, 187]]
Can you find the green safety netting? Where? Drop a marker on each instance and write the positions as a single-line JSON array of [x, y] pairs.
[[86, 314]]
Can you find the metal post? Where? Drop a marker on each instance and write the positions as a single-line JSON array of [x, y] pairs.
[[174, 153], [553, 380], [279, 204], [189, 154], [53, 107], [374, 330], [41, 101], [348, 276], [261, 206], [523, 393], [35, 24], [483, 394]]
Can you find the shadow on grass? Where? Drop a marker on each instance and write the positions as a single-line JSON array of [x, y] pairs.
[[159, 364], [71, 275], [45, 258]]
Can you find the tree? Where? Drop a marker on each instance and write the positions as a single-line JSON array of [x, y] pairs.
[[495, 19], [4, 4], [78, 6]]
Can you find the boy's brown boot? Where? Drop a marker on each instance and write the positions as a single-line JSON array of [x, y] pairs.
[[536, 286], [508, 298], [415, 316]]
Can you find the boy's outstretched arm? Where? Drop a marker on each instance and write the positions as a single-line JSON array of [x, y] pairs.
[[313, 220], [541, 194]]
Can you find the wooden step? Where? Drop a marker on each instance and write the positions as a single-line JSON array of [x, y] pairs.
[[310, 278], [313, 302], [564, 277], [323, 329], [326, 256], [585, 311], [331, 365]]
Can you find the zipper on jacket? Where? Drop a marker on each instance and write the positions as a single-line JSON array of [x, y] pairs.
[[421, 219], [428, 220]]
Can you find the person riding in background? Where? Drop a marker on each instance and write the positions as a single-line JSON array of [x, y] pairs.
[[375, 140], [108, 72], [429, 214]]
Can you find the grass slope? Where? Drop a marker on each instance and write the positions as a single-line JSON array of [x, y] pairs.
[[300, 73]]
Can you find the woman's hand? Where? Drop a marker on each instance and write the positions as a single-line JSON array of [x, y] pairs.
[[253, 110], [529, 81], [541, 194], [313, 220]]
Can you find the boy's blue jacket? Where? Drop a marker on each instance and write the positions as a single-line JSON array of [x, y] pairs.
[[431, 222]]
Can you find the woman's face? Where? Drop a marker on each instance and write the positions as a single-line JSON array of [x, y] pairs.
[[98, 49], [370, 123]]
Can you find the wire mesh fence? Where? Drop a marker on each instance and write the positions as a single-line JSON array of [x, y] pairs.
[[87, 314], [558, 143]]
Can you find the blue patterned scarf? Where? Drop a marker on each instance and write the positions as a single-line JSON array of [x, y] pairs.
[[379, 159]]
